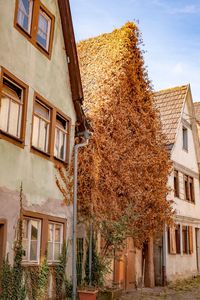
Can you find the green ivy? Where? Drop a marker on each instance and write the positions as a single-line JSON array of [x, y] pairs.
[[12, 280], [60, 273]]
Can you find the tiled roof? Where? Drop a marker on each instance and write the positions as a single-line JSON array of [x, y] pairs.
[[197, 111], [169, 102]]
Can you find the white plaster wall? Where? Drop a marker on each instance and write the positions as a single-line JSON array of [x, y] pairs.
[[181, 265], [184, 265], [179, 155]]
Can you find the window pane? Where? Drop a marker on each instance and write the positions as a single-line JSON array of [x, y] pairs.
[[60, 143], [33, 251], [57, 233], [35, 133], [42, 111], [57, 251], [56, 146], [25, 248], [43, 33], [34, 230], [43, 136], [50, 233], [24, 15], [50, 251], [4, 108], [14, 119]]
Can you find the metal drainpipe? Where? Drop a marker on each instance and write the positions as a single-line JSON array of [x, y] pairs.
[[164, 258], [74, 224]]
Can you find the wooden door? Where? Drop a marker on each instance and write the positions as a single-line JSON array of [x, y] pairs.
[[124, 270], [130, 265]]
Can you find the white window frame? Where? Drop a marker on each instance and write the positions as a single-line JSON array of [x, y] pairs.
[[27, 260], [53, 241]]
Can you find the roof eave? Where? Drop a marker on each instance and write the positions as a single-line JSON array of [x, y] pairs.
[[73, 65]]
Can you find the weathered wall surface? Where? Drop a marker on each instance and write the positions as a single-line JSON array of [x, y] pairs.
[[50, 79]]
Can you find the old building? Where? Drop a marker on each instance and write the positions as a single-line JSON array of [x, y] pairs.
[[40, 111], [177, 253]]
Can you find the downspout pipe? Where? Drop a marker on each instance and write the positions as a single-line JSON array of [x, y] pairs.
[[86, 136]]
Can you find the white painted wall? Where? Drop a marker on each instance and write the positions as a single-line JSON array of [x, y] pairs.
[[184, 265]]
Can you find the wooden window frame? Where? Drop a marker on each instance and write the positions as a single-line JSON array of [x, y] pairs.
[[45, 220], [189, 192], [176, 183], [188, 247], [32, 37], [4, 73], [54, 111]]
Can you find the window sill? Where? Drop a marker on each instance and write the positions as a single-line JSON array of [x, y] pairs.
[[185, 150], [189, 202], [12, 139], [56, 159], [40, 153], [30, 264]]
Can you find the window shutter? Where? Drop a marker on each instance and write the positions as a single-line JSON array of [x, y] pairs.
[[190, 232], [172, 240]]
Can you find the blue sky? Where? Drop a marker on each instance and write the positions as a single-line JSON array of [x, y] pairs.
[[170, 30]]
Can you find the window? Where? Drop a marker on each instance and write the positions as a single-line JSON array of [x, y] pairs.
[[185, 139], [41, 126], [171, 240], [42, 233], [61, 131], [189, 188], [24, 14], [44, 27], [187, 239], [176, 184], [31, 239], [55, 241], [34, 21], [13, 101], [50, 131]]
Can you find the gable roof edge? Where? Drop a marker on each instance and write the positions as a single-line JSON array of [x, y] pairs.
[[73, 65], [180, 118]]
